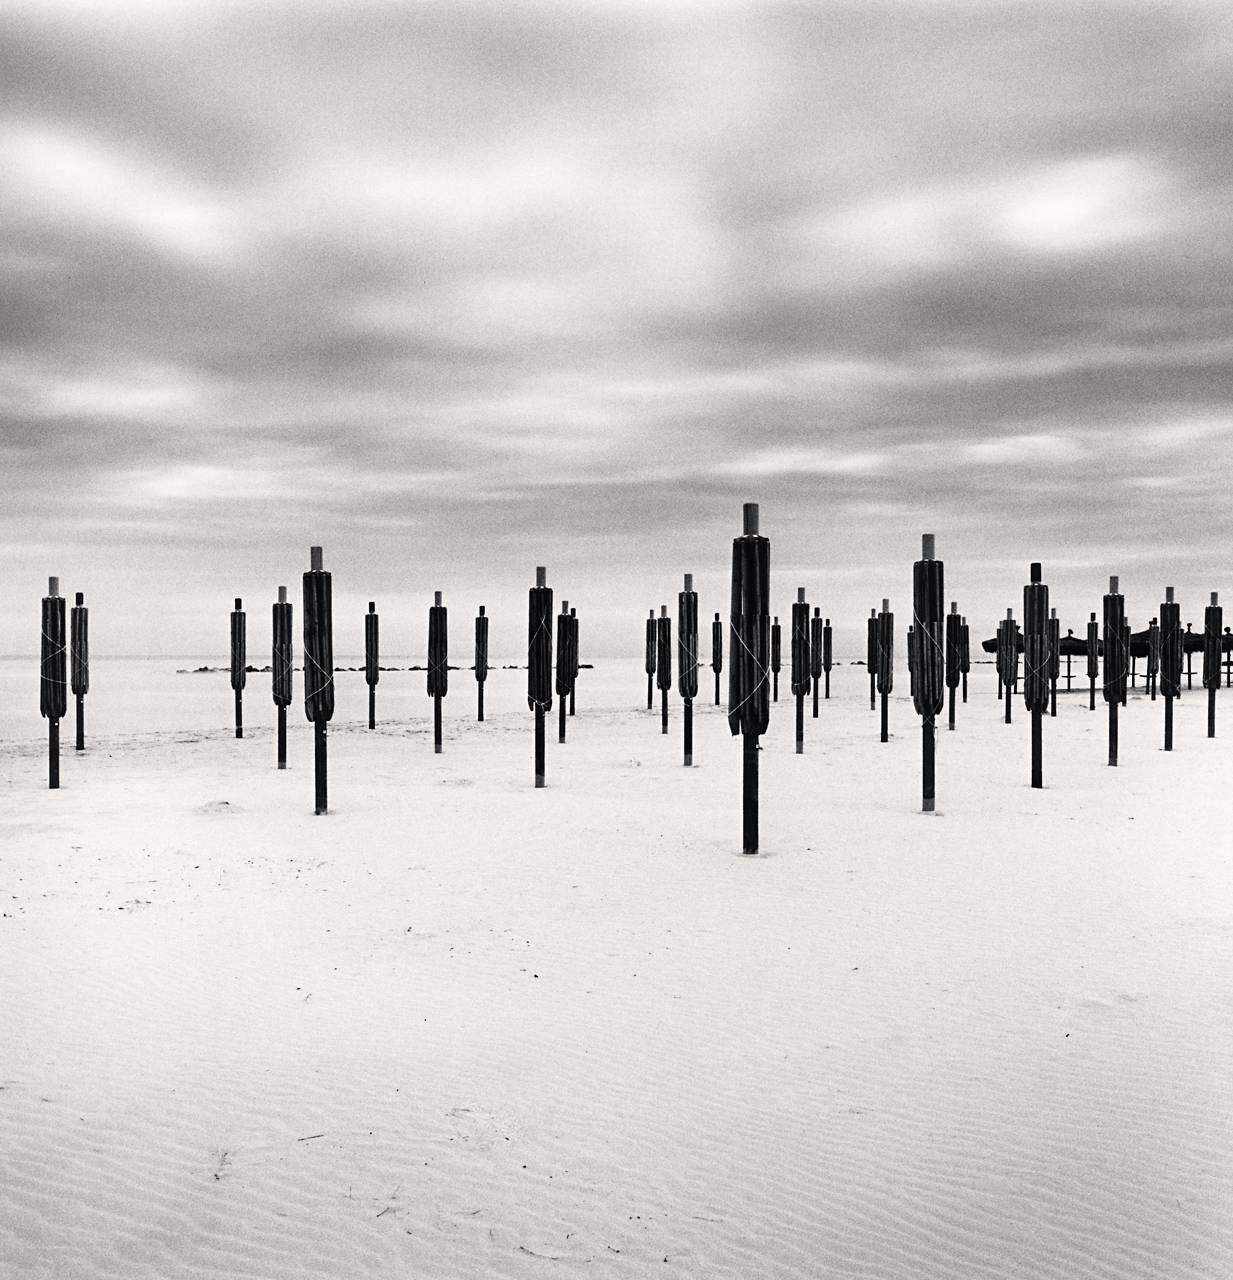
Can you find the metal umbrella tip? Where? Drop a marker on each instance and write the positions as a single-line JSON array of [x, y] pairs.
[[1168, 595], [1113, 584], [750, 512], [372, 606], [436, 598], [481, 611], [689, 582], [1034, 572], [926, 546], [282, 595], [80, 598], [541, 575], [800, 594], [239, 604], [315, 559], [53, 586]]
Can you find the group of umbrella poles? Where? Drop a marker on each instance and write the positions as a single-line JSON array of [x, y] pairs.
[[938, 654]]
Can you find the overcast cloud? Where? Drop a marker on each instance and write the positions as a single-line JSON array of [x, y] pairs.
[[456, 289]]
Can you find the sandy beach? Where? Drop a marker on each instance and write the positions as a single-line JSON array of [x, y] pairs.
[[458, 1027]]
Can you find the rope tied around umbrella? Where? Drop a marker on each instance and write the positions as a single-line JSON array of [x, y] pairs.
[[764, 674]]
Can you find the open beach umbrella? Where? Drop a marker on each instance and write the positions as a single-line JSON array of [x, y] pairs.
[[282, 662], [885, 663], [1170, 660], [79, 662], [749, 707], [319, 667], [954, 659], [1115, 659], [573, 630], [565, 667], [929, 660], [1070, 646], [652, 643], [539, 661], [1153, 657], [776, 657], [871, 657], [663, 662], [53, 676], [717, 652], [817, 646], [481, 658], [372, 659], [1213, 620], [1037, 663], [801, 675], [238, 663], [1055, 659], [438, 664], [687, 659]]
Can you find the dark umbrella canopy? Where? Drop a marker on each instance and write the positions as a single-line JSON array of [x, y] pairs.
[[282, 657], [539, 648], [79, 631], [565, 652], [991, 645], [749, 704], [238, 664], [1071, 645], [928, 635], [372, 645], [663, 651], [687, 644], [481, 645], [817, 645], [318, 641], [717, 646], [801, 657], [53, 666], [438, 650], [1036, 661]]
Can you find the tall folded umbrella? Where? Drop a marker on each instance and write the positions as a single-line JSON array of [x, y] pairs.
[[1009, 646], [1213, 620], [1093, 653], [871, 657], [776, 657], [481, 657], [663, 661], [1115, 659], [954, 659], [801, 675], [886, 663], [687, 658], [1125, 655], [372, 659], [828, 658], [573, 631], [539, 661], [1170, 660], [816, 646], [565, 666], [929, 658], [911, 664], [79, 662], [1226, 646], [281, 665], [319, 666], [238, 664], [1037, 662], [53, 677], [965, 662], [652, 644], [717, 653], [1153, 657], [438, 664], [1055, 659], [749, 707]]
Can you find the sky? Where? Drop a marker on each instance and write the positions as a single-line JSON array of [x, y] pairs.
[[458, 289]]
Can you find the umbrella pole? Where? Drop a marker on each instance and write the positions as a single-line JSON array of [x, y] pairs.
[[926, 761], [282, 737], [1038, 779], [539, 746], [885, 718], [815, 697], [664, 710], [81, 722], [689, 732], [480, 687], [561, 725], [239, 713], [717, 688], [1189, 672], [53, 755], [800, 724], [1092, 693], [571, 702], [950, 718], [826, 684], [775, 686], [965, 686], [1211, 712], [372, 706], [1009, 692], [999, 688], [750, 792], [1113, 705], [873, 691], [1168, 745], [1053, 697], [650, 692], [319, 761], [436, 723], [1068, 673]]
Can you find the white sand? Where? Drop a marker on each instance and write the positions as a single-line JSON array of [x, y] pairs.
[[463, 1028]]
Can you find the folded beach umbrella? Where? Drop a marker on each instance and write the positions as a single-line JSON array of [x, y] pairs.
[[319, 667], [565, 666], [1037, 662], [1170, 660], [885, 662], [816, 647], [911, 665], [1213, 620], [965, 662], [717, 653], [871, 657], [481, 657], [238, 663], [53, 677], [1093, 653], [539, 661], [282, 663], [1153, 657], [954, 659], [652, 644], [1055, 659], [1115, 659], [438, 664], [663, 661], [573, 627], [776, 657], [801, 675], [828, 658], [929, 641], [687, 658], [79, 662], [1226, 645], [372, 659], [748, 665], [1010, 645]]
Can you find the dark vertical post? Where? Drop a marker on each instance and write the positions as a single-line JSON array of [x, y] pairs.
[[1038, 632], [1170, 660], [954, 659], [966, 660], [871, 657], [800, 659], [481, 659], [885, 662], [281, 668], [1093, 654], [239, 662], [79, 663], [663, 662], [573, 649], [776, 657], [438, 664], [1213, 619], [53, 673], [687, 660], [562, 685], [1011, 645], [827, 658], [748, 701], [321, 796], [539, 662], [319, 665], [1189, 658], [372, 659], [817, 646], [652, 645], [1115, 660], [929, 656], [1055, 659]]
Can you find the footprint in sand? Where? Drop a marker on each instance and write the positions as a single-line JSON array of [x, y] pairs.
[[217, 806]]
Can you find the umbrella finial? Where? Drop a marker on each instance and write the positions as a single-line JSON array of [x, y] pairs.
[[1168, 595], [926, 546], [1053, 613], [80, 598], [564, 606], [689, 582], [53, 586], [954, 606], [1215, 598], [436, 599], [663, 610], [1113, 584], [1034, 571], [800, 594], [817, 611], [282, 595], [541, 575], [717, 617], [481, 611], [885, 605], [1010, 613], [316, 560], [239, 604], [827, 621], [751, 517]]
